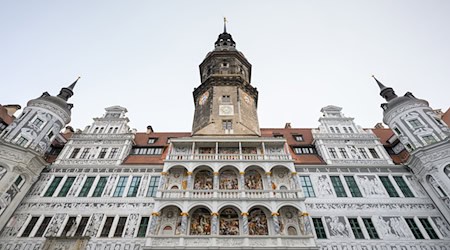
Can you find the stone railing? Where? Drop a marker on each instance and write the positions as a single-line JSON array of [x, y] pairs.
[[227, 157], [360, 162], [349, 136], [231, 242], [230, 194], [88, 162]]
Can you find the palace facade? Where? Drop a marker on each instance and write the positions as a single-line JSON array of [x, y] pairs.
[[227, 184]]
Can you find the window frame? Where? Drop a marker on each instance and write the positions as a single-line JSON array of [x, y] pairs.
[[370, 227], [352, 186], [404, 188], [389, 186], [53, 186], [338, 186], [356, 228], [306, 184], [153, 186], [120, 186], [134, 186], [100, 186], [319, 228], [66, 186]]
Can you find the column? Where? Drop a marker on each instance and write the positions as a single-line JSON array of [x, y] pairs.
[[242, 184], [216, 180], [276, 222], [244, 223], [296, 180], [189, 180], [214, 223], [305, 223], [154, 219], [271, 186], [184, 223], [162, 180]]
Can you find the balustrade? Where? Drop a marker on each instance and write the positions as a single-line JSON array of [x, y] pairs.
[[227, 157], [230, 194]]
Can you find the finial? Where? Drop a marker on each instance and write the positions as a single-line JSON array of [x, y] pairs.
[[224, 25], [73, 84], [379, 83]]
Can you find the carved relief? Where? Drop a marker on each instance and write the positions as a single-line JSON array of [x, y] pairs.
[[132, 225], [416, 186], [76, 184], [169, 221], [203, 180], [442, 225], [371, 186], [391, 227], [144, 184], [200, 222], [110, 185], [228, 180], [323, 186], [253, 180], [14, 225], [257, 222], [93, 226], [337, 227], [229, 222]]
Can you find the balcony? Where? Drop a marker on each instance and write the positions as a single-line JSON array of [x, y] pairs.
[[231, 242], [230, 195], [228, 157]]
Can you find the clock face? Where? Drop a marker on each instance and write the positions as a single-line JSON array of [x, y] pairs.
[[203, 98], [226, 110]]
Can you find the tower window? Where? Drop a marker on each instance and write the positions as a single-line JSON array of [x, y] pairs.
[[415, 123], [429, 139], [74, 153], [226, 98], [22, 141], [345, 130], [428, 228], [343, 152], [374, 153], [102, 153], [337, 130], [120, 227], [227, 124], [143, 227], [50, 135], [397, 131], [85, 153], [351, 130], [38, 122], [298, 137], [41, 230], [363, 153], [333, 152], [113, 153], [352, 186], [30, 226], [107, 227]]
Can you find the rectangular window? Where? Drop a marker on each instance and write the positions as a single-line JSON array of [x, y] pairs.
[[343, 152], [18, 181], [227, 124], [74, 153], [30, 226], [429, 139], [345, 130], [143, 227], [22, 141], [107, 227], [351, 130], [226, 98], [50, 135], [397, 131], [85, 153], [388, 186], [374, 153], [132, 191], [338, 187], [66, 187], [120, 226], [403, 186], [370, 228], [430, 230], [38, 122], [351, 183], [51, 189], [320, 230], [102, 153], [414, 228], [120, 186], [100, 186], [307, 187], [153, 186], [41, 230], [70, 222], [356, 228], [113, 153], [298, 137], [86, 187], [151, 140], [304, 150], [333, 152], [415, 123], [81, 226], [363, 153], [337, 130]]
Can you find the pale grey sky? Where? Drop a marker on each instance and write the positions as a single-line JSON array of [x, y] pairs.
[[144, 55]]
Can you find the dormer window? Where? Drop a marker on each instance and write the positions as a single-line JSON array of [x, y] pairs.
[[298, 137], [226, 65], [151, 140]]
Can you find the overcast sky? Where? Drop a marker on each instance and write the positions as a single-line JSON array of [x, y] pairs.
[[144, 55]]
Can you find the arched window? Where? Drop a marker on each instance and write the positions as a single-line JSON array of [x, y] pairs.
[[228, 180], [257, 222], [203, 180], [447, 171], [167, 230], [292, 230], [200, 222], [229, 222]]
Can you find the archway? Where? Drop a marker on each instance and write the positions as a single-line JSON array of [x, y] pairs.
[[200, 223], [229, 221], [228, 179], [258, 223]]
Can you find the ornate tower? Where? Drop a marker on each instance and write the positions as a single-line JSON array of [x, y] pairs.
[[426, 137], [23, 144], [225, 102]]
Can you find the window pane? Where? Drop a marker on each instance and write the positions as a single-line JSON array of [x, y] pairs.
[[374, 153], [351, 183], [86, 187], [370, 228], [356, 228], [135, 182], [100, 186], [70, 222], [74, 153], [120, 186], [413, 226], [51, 189], [107, 227], [82, 226], [388, 186], [143, 227], [153, 186], [403, 186], [338, 187], [120, 227], [430, 230], [30, 227], [66, 187], [320, 230], [307, 187]]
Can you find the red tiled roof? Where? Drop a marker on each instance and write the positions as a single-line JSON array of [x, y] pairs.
[[446, 117], [4, 115]]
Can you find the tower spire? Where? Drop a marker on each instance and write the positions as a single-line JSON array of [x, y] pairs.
[[73, 84], [67, 92], [386, 92]]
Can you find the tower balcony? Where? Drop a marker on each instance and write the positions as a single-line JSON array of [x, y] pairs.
[[228, 149]]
